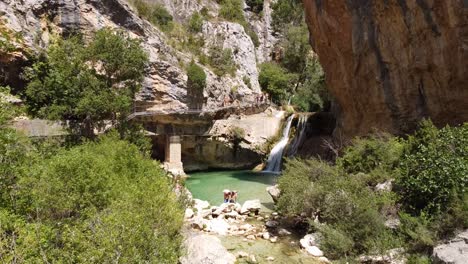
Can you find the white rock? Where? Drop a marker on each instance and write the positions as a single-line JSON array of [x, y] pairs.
[[252, 259], [245, 227], [274, 192], [242, 254], [270, 259], [251, 206], [204, 248], [384, 187], [266, 235], [324, 260], [274, 239], [314, 251], [188, 213], [309, 240], [200, 204], [219, 226], [283, 232], [251, 237]]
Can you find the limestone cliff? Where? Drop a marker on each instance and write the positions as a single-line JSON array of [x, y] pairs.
[[35, 22], [389, 63]]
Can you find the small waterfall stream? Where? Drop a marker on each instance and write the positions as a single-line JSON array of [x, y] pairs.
[[276, 154], [300, 134]]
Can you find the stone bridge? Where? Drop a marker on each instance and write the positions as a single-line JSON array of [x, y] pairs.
[[173, 124]]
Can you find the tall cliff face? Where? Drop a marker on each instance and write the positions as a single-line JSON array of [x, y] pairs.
[[31, 24], [389, 63]]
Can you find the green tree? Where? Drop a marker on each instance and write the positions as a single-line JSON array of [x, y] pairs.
[[196, 83], [277, 81], [87, 84], [434, 168], [100, 202]]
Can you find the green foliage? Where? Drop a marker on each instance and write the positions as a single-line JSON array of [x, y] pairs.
[[232, 10], [276, 81], [287, 12], [157, 14], [196, 77], [255, 5], [86, 83], [100, 202], [434, 168], [195, 23], [296, 48], [221, 61], [368, 154], [311, 94], [350, 209]]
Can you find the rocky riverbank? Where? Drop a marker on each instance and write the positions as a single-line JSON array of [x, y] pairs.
[[250, 235]]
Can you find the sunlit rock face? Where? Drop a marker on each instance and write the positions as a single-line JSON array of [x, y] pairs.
[[390, 63], [37, 22]]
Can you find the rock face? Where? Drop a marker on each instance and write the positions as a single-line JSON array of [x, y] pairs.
[[454, 251], [203, 248], [390, 63]]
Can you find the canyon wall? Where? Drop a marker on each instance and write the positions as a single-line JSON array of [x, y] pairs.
[[390, 63]]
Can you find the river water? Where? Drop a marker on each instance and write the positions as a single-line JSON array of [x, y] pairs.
[[250, 185], [209, 186]]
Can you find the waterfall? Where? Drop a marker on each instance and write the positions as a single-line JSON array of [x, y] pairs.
[[300, 135], [276, 154]]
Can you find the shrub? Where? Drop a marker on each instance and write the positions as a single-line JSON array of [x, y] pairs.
[[433, 168], [65, 84], [157, 14], [367, 154], [196, 77], [247, 82], [96, 203], [255, 5], [237, 133], [195, 23], [345, 203], [276, 81], [232, 10], [221, 60]]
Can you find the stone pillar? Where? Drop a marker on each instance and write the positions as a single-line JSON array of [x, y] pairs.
[[173, 162]]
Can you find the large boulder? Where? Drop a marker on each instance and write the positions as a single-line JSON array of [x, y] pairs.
[[454, 251], [274, 192], [205, 249], [251, 206]]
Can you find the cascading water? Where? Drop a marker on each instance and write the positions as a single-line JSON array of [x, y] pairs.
[[300, 134], [276, 154]]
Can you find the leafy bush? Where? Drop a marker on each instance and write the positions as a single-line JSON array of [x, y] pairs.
[[96, 203], [196, 77], [222, 61], [66, 83], [276, 81], [433, 168], [255, 5], [195, 23], [232, 10], [287, 12], [349, 208], [157, 14], [367, 154]]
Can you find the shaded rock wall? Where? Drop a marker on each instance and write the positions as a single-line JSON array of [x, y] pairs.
[[389, 63]]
